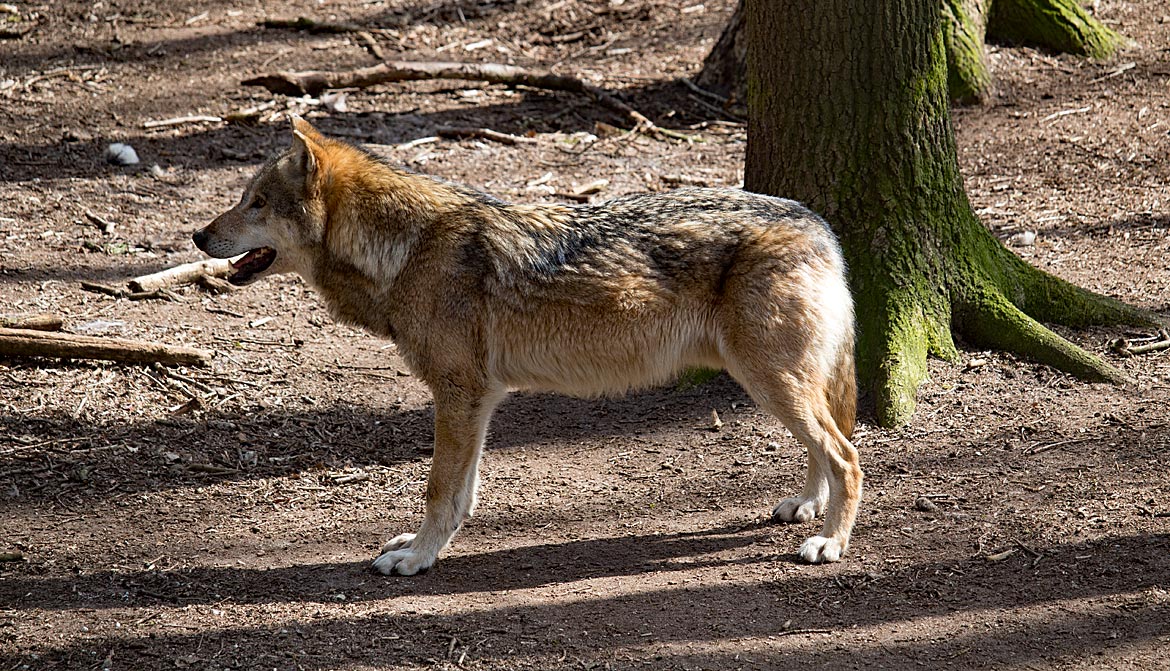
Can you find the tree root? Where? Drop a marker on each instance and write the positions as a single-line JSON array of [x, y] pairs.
[[896, 334], [1055, 301], [968, 79], [1060, 25], [988, 318]]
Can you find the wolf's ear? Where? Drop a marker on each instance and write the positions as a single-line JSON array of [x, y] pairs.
[[299, 125], [306, 159]]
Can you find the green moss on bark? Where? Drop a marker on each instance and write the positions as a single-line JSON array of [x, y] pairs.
[[965, 30], [987, 318], [897, 329], [848, 113], [1060, 25]]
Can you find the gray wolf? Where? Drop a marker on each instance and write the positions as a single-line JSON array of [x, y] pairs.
[[483, 297]]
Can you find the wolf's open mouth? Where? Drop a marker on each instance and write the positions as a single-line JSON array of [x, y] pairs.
[[255, 261]]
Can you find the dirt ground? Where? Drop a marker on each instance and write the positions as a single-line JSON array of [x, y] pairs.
[[1019, 521]]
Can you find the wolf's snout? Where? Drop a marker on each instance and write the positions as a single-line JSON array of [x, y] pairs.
[[200, 239]]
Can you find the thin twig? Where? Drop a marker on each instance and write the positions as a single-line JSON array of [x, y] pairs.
[[311, 25], [1125, 346], [1060, 443], [793, 632], [485, 133], [371, 44], [180, 120]]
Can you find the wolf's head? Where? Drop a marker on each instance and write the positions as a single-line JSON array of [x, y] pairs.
[[278, 225]]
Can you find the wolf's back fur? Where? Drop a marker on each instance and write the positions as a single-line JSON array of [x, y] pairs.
[[483, 296]]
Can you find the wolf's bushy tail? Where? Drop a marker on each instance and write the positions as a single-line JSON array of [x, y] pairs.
[[842, 388]]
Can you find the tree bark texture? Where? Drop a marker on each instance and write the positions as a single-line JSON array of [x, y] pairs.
[[848, 110], [1060, 25], [965, 26], [725, 68]]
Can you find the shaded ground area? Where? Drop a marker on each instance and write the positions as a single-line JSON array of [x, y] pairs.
[[1019, 521]]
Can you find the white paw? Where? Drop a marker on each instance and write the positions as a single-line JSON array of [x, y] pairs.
[[403, 562], [796, 509], [398, 542], [818, 550]]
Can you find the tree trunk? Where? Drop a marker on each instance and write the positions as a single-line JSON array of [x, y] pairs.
[[1059, 25], [725, 68], [848, 110]]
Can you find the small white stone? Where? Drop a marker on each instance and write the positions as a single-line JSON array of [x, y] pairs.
[[121, 154], [1023, 239]]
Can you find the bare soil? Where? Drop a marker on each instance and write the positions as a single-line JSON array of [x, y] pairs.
[[1020, 520]]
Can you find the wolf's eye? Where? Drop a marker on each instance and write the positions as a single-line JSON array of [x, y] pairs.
[[257, 203]]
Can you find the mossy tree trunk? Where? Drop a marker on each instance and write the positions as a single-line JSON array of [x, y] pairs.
[[848, 109], [1059, 25]]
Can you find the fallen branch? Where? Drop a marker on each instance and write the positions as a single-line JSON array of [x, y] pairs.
[[22, 342], [211, 469], [98, 288], [348, 478], [180, 120], [313, 82], [104, 225], [1126, 347], [38, 322], [188, 273], [795, 632], [485, 133], [214, 284], [155, 294], [1044, 447], [371, 45]]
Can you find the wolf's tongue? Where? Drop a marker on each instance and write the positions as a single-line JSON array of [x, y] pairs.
[[253, 262]]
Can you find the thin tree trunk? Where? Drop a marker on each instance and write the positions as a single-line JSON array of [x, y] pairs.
[[725, 68], [848, 112]]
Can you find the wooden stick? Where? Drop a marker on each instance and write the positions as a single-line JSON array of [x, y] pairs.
[[187, 273], [179, 120], [22, 342], [371, 45], [98, 288], [1134, 350], [104, 225], [37, 322], [485, 133], [1126, 347], [313, 82]]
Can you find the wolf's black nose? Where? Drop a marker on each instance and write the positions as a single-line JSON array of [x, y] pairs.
[[200, 239]]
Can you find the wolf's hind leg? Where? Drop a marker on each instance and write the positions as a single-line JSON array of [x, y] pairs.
[[461, 421], [834, 476], [774, 357]]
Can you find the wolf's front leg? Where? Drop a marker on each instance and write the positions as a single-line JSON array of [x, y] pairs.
[[461, 420]]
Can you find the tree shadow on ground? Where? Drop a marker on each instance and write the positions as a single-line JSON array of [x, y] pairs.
[[73, 273], [32, 58], [972, 590], [234, 145], [340, 434]]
